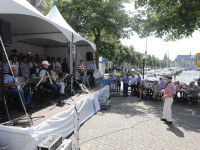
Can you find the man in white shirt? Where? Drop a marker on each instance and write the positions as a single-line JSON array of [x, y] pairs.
[[14, 62], [58, 64], [5, 65], [33, 66], [133, 84], [24, 67]]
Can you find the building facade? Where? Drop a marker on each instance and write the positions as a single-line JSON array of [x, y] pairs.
[[185, 58]]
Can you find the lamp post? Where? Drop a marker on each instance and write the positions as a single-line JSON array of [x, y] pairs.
[[144, 57]]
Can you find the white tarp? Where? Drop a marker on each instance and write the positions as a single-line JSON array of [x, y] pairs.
[[14, 138], [25, 48], [52, 39]]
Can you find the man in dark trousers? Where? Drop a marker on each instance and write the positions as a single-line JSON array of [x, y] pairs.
[[138, 82], [125, 80], [47, 81]]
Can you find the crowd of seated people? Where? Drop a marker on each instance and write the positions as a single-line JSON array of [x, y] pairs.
[[186, 92], [27, 67], [36, 66]]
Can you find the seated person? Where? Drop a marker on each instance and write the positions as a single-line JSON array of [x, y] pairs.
[[58, 64], [13, 61], [65, 70], [53, 63], [44, 73], [142, 89], [39, 62], [146, 84], [192, 91], [175, 89], [24, 67], [155, 89], [33, 66], [5, 65], [11, 88], [81, 68], [19, 58], [65, 66], [81, 71], [112, 83]]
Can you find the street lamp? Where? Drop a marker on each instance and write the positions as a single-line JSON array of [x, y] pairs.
[[144, 57]]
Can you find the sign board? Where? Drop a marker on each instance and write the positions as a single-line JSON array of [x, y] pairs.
[[198, 59], [103, 60]]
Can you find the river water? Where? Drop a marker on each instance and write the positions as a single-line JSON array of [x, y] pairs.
[[187, 76]]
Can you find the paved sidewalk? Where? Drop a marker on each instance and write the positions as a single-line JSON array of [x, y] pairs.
[[133, 124]]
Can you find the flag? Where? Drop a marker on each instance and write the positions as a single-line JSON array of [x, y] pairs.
[[54, 3]]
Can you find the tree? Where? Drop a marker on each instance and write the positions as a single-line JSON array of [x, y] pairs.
[[108, 50], [121, 55], [139, 57], [134, 59], [95, 18], [171, 19], [149, 60], [153, 61]]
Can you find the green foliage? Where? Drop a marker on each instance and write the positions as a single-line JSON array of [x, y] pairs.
[[95, 18], [171, 19], [108, 50]]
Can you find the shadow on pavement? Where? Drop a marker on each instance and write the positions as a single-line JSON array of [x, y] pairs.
[[176, 131], [129, 107]]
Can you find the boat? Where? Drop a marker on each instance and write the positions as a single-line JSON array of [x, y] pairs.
[[196, 77], [151, 73]]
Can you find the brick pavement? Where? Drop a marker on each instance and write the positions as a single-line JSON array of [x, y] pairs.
[[133, 124]]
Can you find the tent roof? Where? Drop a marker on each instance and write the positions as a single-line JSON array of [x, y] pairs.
[[26, 20], [55, 16]]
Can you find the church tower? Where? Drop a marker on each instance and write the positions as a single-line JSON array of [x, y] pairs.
[[190, 53]]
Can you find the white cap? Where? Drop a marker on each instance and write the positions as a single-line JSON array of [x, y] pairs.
[[45, 63]]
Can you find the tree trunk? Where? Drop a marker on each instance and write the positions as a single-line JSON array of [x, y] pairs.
[[97, 41]]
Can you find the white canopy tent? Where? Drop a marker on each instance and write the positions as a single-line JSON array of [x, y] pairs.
[[31, 31]]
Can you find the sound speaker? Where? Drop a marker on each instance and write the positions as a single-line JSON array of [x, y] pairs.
[[5, 32], [89, 56]]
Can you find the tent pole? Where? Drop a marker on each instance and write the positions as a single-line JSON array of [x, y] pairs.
[[71, 63]]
